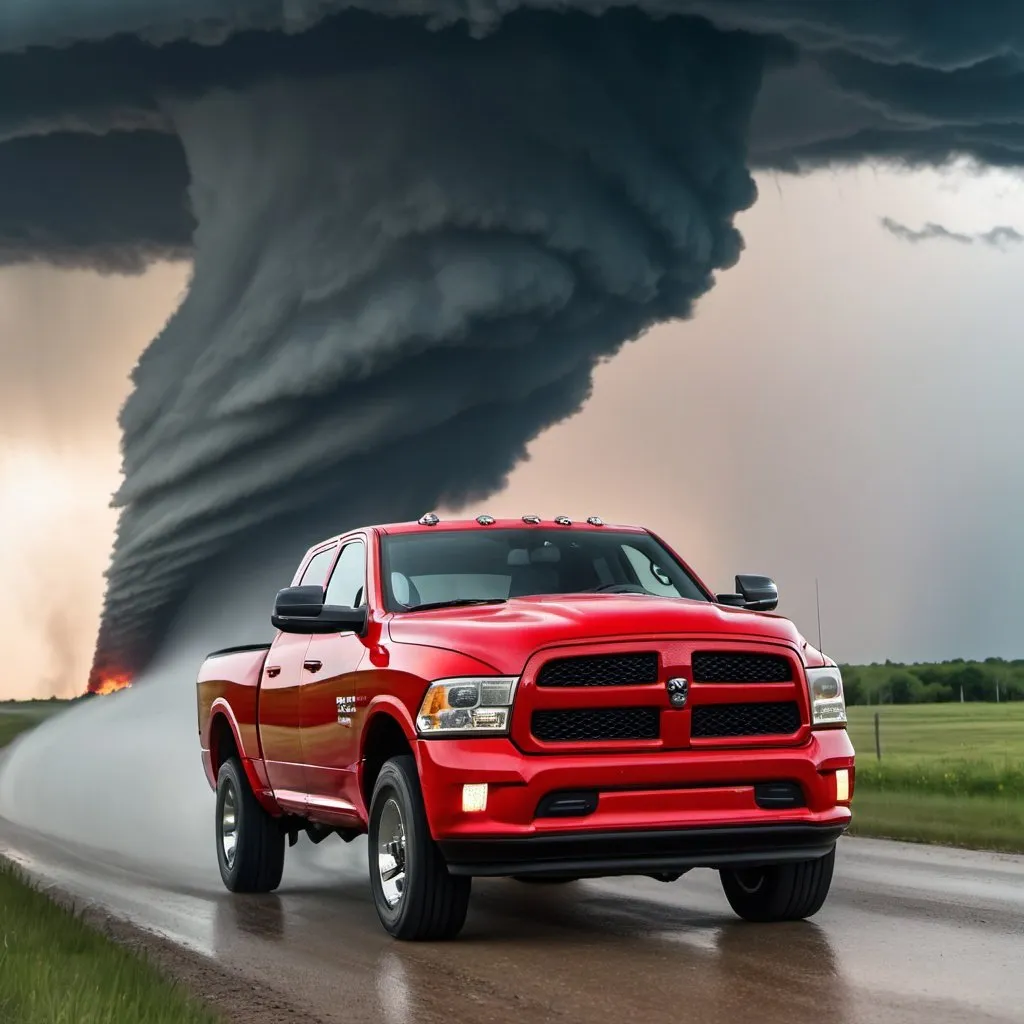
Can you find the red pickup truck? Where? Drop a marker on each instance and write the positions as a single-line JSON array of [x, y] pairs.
[[542, 700]]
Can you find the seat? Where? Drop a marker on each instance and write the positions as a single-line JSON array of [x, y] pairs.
[[404, 590]]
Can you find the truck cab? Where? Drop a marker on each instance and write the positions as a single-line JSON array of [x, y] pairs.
[[543, 700]]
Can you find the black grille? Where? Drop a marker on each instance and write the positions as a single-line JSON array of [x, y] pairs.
[[601, 670], [727, 667], [587, 725], [720, 720]]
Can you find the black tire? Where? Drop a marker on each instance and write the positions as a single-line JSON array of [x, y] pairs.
[[257, 862], [781, 892], [430, 904]]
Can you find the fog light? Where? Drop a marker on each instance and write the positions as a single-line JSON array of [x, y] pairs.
[[474, 797], [842, 786]]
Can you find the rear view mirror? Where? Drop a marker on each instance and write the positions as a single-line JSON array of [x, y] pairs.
[[302, 610], [758, 593]]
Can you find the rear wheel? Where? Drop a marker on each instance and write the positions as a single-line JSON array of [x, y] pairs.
[[780, 892], [416, 898], [250, 843]]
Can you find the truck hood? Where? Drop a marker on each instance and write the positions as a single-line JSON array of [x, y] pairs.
[[505, 635]]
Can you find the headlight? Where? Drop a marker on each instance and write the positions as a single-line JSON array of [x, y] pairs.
[[474, 705], [828, 706]]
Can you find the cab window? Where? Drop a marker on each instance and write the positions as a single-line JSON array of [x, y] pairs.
[[348, 581], [316, 572]]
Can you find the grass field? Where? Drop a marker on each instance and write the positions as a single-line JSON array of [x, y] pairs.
[[949, 773], [16, 718], [54, 969]]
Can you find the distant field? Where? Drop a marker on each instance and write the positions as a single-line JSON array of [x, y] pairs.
[[949, 773], [973, 822], [988, 731], [16, 718], [951, 749]]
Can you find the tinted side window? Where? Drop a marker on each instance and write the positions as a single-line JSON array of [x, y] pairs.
[[348, 583], [316, 571]]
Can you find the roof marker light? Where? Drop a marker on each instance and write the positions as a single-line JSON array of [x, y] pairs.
[[485, 520], [531, 519], [563, 520], [429, 520], [595, 521]]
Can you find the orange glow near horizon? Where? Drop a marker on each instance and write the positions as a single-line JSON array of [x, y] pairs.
[[110, 684]]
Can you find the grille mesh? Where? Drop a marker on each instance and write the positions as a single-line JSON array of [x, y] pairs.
[[720, 720], [729, 667], [601, 670], [584, 725]]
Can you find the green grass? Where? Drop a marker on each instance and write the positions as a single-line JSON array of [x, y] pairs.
[[16, 718], [975, 822], [54, 969], [949, 773], [944, 749], [973, 730]]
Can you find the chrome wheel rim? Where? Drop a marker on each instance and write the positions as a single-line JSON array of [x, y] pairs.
[[391, 854], [229, 825]]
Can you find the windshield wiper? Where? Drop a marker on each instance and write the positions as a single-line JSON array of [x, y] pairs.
[[459, 602]]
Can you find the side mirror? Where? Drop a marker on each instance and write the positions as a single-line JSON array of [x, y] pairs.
[[304, 602], [758, 593], [302, 610]]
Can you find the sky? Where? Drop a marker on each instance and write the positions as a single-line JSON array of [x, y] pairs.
[[843, 407]]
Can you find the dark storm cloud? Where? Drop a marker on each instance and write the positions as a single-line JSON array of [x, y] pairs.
[[92, 171], [1001, 235], [416, 225], [113, 202], [870, 81], [996, 237], [929, 232]]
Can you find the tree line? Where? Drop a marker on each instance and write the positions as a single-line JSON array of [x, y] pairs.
[[928, 683]]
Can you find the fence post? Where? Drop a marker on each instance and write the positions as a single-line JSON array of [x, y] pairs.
[[878, 741]]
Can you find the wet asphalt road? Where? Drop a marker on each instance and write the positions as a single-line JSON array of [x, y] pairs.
[[909, 934]]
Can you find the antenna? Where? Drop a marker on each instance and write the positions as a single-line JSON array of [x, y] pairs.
[[817, 602]]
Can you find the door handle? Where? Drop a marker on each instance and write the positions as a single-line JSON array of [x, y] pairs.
[[273, 670], [313, 665]]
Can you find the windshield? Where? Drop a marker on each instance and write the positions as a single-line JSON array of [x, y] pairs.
[[465, 566]]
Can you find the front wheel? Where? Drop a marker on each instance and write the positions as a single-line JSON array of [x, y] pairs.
[[416, 898], [780, 892], [250, 843]]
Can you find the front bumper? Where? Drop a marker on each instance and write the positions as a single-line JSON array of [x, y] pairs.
[[649, 851], [651, 812]]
